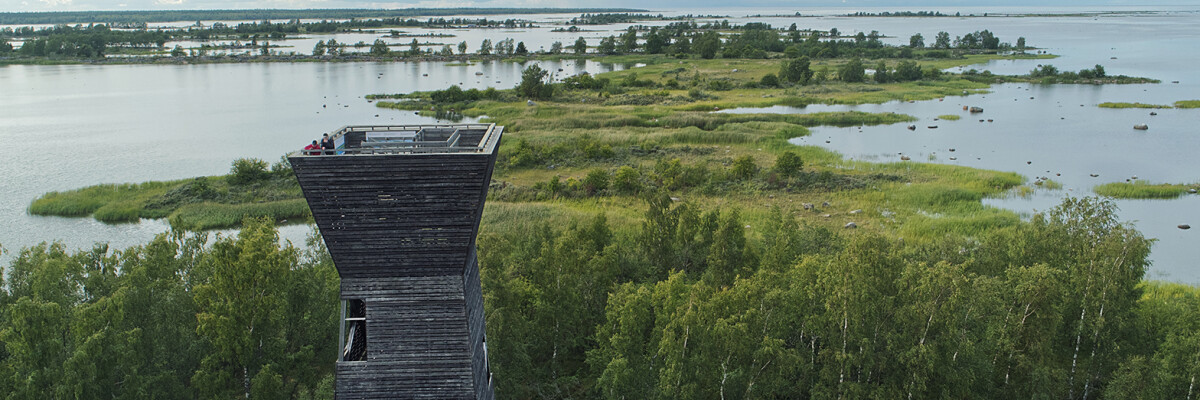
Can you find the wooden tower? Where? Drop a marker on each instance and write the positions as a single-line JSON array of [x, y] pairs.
[[399, 208]]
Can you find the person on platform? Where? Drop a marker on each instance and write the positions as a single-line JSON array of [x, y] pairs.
[[312, 149], [327, 144]]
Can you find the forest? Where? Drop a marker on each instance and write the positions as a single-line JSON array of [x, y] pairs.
[[682, 303]]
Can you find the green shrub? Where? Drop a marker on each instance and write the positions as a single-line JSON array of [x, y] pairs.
[[788, 164], [595, 182], [247, 170], [769, 81], [744, 167], [627, 180]]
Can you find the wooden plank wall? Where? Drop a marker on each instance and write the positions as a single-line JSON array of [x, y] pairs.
[[401, 230], [475, 321], [391, 215], [417, 340]]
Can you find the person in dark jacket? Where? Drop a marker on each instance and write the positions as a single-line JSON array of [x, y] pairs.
[[327, 144]]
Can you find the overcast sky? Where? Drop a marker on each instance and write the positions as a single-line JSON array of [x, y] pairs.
[[71, 5]]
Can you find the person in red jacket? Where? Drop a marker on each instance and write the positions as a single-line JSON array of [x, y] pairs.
[[313, 149]]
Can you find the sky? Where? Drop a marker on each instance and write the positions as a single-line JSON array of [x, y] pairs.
[[91, 5]]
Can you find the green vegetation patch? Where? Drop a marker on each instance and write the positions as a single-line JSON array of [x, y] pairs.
[[208, 215], [1187, 104], [1143, 190], [195, 204], [950, 117], [1131, 105]]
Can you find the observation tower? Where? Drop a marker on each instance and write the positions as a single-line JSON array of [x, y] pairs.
[[399, 209]]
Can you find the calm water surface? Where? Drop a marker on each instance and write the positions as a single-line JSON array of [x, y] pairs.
[[84, 125]]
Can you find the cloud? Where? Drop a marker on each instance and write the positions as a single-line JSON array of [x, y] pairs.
[[168, 2], [56, 3]]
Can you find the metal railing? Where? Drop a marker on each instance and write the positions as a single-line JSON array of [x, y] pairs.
[[450, 145]]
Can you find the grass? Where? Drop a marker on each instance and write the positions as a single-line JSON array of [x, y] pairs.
[[1143, 190], [949, 117], [192, 204], [208, 215], [1131, 105], [89, 200], [1179, 104]]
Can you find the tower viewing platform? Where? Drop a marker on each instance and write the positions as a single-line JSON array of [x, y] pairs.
[[398, 208]]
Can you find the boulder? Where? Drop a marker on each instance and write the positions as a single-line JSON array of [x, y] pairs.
[[1185, 226], [975, 110], [1192, 191], [1141, 127], [850, 225]]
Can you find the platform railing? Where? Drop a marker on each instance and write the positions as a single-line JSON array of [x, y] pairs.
[[450, 145]]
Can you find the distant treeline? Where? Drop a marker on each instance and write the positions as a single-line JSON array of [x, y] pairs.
[[900, 14], [126, 17], [618, 18]]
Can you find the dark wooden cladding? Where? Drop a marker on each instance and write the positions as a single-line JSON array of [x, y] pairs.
[[401, 230], [389, 215], [474, 301]]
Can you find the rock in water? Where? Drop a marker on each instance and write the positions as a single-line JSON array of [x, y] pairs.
[[1141, 127], [1181, 226]]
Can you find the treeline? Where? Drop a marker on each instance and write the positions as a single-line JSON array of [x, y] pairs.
[[683, 302], [899, 14], [695, 304], [333, 26], [1050, 74], [83, 17], [86, 42], [611, 18], [759, 40]]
